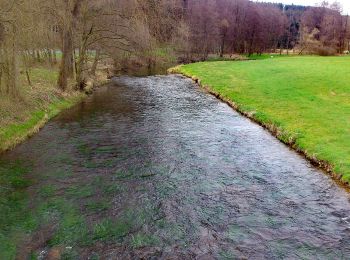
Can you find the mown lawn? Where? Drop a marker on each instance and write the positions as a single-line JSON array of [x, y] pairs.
[[308, 98]]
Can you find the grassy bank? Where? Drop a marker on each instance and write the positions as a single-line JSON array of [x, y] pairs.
[[304, 101], [16, 133], [22, 117]]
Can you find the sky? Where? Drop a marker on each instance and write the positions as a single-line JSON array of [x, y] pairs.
[[344, 3]]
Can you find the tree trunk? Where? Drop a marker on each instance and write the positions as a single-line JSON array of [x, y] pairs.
[[94, 65], [222, 46], [26, 63], [33, 55], [54, 55], [49, 55], [38, 57], [28, 78], [80, 78], [66, 67], [288, 42], [14, 69], [75, 61]]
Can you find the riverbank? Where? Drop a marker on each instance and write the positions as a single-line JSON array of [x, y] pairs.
[[303, 101], [38, 103]]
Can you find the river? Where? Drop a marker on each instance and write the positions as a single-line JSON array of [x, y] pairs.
[[158, 169]]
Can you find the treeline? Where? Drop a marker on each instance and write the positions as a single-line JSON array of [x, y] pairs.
[[68, 32], [78, 34], [324, 31], [242, 26]]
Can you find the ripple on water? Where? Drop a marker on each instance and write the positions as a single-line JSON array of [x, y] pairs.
[[156, 167]]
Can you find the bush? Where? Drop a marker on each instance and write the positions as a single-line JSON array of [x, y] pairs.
[[325, 51]]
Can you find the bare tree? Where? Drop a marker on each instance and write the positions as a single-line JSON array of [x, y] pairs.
[[323, 29]]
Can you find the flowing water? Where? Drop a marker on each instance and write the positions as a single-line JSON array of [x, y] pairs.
[[155, 168]]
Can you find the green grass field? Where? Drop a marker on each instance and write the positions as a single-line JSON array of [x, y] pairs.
[[307, 98]]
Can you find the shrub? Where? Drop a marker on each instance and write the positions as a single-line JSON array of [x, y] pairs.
[[325, 51]]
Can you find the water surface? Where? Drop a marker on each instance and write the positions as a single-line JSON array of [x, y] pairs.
[[155, 168]]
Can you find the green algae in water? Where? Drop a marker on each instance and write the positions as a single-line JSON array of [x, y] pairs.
[[79, 191], [227, 255], [113, 188], [143, 240], [72, 227], [15, 218], [109, 229], [69, 254], [98, 206], [47, 191]]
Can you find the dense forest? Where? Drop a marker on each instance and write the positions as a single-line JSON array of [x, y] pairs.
[[78, 34]]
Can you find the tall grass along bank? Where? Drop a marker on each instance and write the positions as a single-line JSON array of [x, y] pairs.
[[304, 101], [24, 116]]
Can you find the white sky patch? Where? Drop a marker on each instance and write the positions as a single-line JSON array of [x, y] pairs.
[[344, 3]]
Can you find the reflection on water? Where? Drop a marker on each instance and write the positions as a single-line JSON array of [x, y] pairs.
[[143, 71], [156, 168]]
